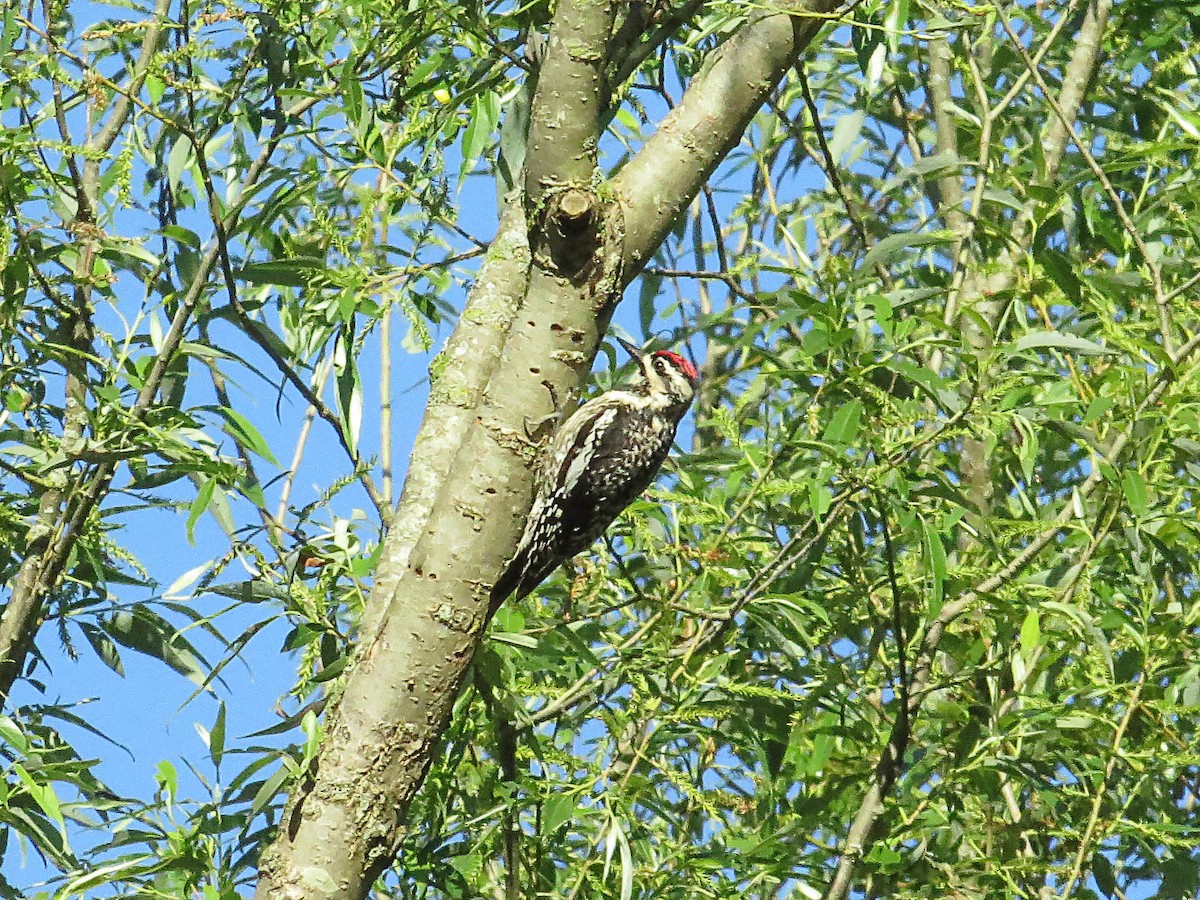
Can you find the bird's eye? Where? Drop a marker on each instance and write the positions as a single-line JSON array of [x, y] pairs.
[[659, 364]]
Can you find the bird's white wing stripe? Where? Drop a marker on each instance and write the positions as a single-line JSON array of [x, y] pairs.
[[589, 434], [582, 459]]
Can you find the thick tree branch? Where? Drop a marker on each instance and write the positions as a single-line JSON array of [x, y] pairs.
[[1085, 53], [467, 477], [708, 122], [564, 121]]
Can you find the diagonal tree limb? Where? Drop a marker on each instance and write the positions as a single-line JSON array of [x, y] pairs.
[[427, 608], [709, 121]]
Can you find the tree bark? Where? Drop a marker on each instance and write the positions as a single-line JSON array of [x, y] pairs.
[[528, 335]]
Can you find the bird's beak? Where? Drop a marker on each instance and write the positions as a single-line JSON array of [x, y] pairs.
[[632, 349]]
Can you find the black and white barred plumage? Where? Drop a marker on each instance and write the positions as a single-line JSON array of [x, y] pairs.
[[599, 461]]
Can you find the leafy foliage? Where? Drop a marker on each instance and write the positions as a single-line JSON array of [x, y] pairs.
[[931, 542]]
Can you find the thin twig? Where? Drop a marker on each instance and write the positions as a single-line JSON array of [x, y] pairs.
[[1166, 326], [310, 414], [1098, 797], [1022, 79]]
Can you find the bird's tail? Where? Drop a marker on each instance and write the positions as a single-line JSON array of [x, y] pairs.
[[509, 581]]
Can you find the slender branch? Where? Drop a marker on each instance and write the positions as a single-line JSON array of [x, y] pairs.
[[253, 329], [1114, 753], [221, 389], [141, 68], [667, 26], [310, 414], [902, 720], [949, 185], [1182, 289], [1018, 85], [830, 168], [385, 361], [969, 218], [687, 145]]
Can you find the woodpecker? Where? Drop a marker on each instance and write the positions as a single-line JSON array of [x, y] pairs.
[[605, 454]]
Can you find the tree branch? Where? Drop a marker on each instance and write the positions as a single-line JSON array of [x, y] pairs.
[[542, 301], [871, 805], [456, 516], [709, 121], [40, 571]]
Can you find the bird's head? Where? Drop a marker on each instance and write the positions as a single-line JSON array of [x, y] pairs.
[[665, 373]]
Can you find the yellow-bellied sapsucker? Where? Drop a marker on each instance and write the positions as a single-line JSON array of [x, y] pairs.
[[599, 460]]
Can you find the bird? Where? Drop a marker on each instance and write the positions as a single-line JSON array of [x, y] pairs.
[[602, 457]]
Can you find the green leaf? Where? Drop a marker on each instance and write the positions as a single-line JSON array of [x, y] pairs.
[[43, 795], [1057, 340], [199, 505], [944, 163], [516, 639], [146, 632], [349, 393], [12, 735], [466, 864], [557, 810], [846, 132], [352, 92], [1058, 266], [484, 116], [9, 30], [1031, 632], [180, 157], [186, 580], [1134, 488], [843, 427], [241, 430], [105, 649], [1102, 871], [216, 737], [293, 272], [514, 131], [819, 499], [894, 23], [895, 245], [935, 553], [331, 672], [269, 789], [1003, 198]]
